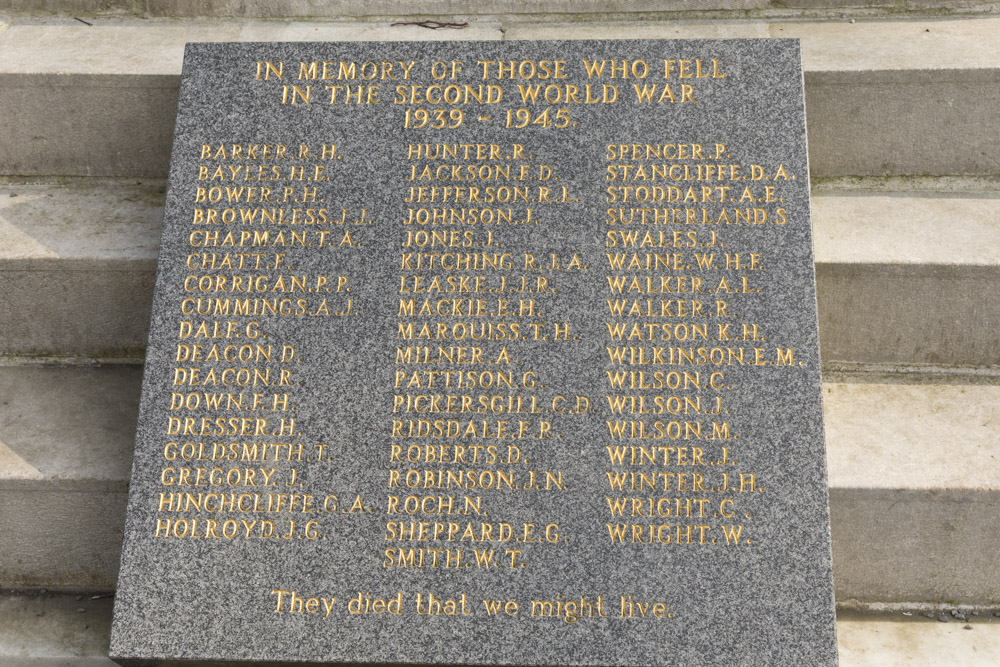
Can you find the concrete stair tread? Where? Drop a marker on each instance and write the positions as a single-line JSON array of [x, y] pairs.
[[65, 46], [906, 228], [81, 258], [895, 640], [46, 630], [341, 8], [96, 221], [53, 629], [110, 46], [66, 439], [827, 46], [912, 436], [69, 423]]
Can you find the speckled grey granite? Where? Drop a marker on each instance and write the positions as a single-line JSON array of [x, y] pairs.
[[342, 479]]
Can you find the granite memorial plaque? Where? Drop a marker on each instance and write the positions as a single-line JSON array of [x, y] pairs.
[[483, 353]]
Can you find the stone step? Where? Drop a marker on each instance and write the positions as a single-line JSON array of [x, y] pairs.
[[914, 489], [901, 276], [884, 97], [66, 437], [913, 469], [338, 9], [42, 629], [81, 259]]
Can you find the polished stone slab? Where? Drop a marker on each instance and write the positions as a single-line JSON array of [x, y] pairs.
[[483, 353]]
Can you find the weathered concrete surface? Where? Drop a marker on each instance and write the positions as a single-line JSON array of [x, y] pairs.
[[901, 277], [908, 314], [90, 125], [65, 457], [914, 476], [867, 640], [916, 228], [51, 630], [77, 265], [344, 8]]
